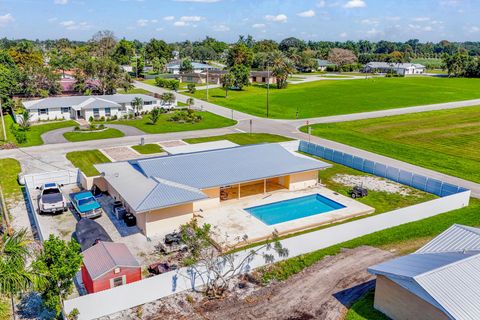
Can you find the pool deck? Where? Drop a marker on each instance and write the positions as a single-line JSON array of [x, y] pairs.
[[231, 218]]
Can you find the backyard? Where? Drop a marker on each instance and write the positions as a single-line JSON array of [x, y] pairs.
[[326, 98], [84, 160], [242, 138], [445, 141]]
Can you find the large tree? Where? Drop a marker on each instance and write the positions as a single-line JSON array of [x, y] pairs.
[[157, 48], [241, 76], [292, 42], [186, 66], [341, 57], [240, 54], [106, 73], [103, 43], [61, 60], [124, 52], [227, 80]]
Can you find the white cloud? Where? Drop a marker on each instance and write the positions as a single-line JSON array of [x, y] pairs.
[[322, 4], [221, 28], [60, 1], [355, 4], [199, 1], [72, 25], [191, 18], [420, 19], [474, 29], [258, 25], [374, 32], [370, 21], [169, 18], [53, 19], [180, 24], [145, 22], [343, 35], [277, 18], [6, 19], [306, 14]]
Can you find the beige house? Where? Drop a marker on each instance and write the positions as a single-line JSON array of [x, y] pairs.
[[169, 190], [439, 281]]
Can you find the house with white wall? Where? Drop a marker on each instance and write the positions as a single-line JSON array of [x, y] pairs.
[[399, 68], [174, 67], [84, 107]]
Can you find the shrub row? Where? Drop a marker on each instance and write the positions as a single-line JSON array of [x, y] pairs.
[[171, 84]]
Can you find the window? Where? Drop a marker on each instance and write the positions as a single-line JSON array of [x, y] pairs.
[[42, 111], [108, 112], [65, 110], [148, 103], [96, 113], [116, 282]]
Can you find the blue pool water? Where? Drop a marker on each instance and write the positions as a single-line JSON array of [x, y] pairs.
[[292, 209]]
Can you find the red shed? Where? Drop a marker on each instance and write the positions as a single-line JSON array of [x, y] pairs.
[[107, 265]]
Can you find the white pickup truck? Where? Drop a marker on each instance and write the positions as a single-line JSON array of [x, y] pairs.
[[51, 199]]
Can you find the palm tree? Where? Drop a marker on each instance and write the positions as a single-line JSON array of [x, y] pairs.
[[25, 120], [190, 102], [167, 98], [137, 105], [15, 277]]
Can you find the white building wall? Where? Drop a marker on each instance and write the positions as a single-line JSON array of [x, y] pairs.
[[52, 114]]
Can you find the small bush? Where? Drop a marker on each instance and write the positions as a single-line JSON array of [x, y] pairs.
[[191, 88], [90, 119], [102, 118], [130, 116], [185, 116], [114, 118], [77, 128], [101, 126], [92, 126], [125, 116]]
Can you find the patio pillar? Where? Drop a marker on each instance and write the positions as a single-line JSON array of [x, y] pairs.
[[239, 191], [264, 186]]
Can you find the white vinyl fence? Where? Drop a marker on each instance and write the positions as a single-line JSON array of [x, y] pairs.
[[147, 290]]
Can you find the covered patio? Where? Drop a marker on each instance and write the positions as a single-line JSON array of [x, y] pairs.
[[252, 188]]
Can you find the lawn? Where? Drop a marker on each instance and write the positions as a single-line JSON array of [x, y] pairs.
[[326, 98], [75, 136], [134, 91], [9, 170], [242, 138], [35, 131], [401, 239], [84, 160], [148, 148], [209, 121], [445, 141], [363, 309]]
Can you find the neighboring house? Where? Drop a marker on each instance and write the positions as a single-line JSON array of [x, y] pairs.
[[108, 265], [439, 281], [262, 77], [201, 78], [84, 107], [197, 67], [323, 64], [168, 190], [399, 68]]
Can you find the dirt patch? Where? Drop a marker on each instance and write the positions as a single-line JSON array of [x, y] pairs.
[[371, 183], [322, 291]]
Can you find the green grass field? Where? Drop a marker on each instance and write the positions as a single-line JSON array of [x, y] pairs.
[[148, 148], [134, 91], [326, 98], [84, 160], [242, 138], [209, 121], [75, 136], [35, 132], [446, 141], [9, 170], [363, 309]]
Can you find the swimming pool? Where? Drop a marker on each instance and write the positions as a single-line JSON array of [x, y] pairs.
[[287, 210]]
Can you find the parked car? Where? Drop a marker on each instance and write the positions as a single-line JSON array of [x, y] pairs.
[[86, 205], [358, 192], [51, 199]]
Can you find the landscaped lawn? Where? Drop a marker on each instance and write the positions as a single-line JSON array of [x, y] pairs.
[[242, 138], [9, 170], [35, 131], [75, 136], [148, 148], [134, 91], [401, 239], [446, 141], [209, 121], [326, 98], [150, 81], [84, 160], [363, 309]]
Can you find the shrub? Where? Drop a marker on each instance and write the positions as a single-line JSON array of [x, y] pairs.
[[191, 88], [101, 126], [77, 128], [20, 135], [92, 126], [114, 118], [125, 116], [102, 118], [130, 116], [185, 116], [90, 119]]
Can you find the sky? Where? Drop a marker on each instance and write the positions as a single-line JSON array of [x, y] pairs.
[[179, 20]]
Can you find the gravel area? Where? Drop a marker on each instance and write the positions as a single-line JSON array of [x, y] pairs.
[[371, 183]]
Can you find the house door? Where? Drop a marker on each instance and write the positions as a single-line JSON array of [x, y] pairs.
[[79, 114]]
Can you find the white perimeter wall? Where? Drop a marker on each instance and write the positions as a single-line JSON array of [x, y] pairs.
[[150, 289]]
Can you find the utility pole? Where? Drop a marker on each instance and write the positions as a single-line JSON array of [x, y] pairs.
[[268, 89], [136, 61], [207, 83], [3, 123]]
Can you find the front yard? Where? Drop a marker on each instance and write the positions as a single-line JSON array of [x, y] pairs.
[[75, 136]]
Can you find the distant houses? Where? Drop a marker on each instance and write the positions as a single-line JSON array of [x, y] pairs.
[[324, 64], [398, 68], [174, 67], [439, 281]]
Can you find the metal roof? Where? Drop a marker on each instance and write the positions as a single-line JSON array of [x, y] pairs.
[[390, 65], [166, 181], [78, 101], [195, 65], [227, 166], [106, 256], [445, 272]]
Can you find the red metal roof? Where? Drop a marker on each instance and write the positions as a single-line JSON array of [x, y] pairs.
[[106, 256]]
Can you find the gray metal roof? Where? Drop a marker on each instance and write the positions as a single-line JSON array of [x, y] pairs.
[[444, 272], [195, 65], [389, 65], [227, 166], [166, 181], [75, 101], [324, 63], [106, 256]]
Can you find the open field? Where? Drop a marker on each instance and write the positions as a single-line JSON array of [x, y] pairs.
[[242, 138], [35, 132], [446, 141], [148, 148], [326, 98], [84, 160], [209, 121], [75, 136]]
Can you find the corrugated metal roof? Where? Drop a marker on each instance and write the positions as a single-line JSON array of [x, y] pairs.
[[227, 166], [455, 238], [106, 256], [444, 272], [388, 65]]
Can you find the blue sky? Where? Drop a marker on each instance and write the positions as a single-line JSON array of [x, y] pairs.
[[178, 20]]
